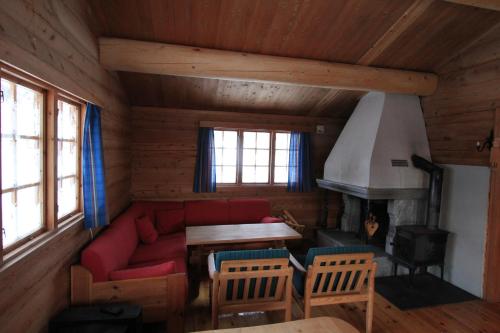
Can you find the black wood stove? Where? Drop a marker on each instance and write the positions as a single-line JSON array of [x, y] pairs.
[[420, 246]]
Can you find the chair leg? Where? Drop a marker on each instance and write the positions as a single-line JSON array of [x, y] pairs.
[[288, 295], [215, 304], [215, 318], [369, 316], [307, 309]]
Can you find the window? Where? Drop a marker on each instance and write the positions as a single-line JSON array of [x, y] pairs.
[[40, 131], [255, 164], [22, 190], [281, 157], [226, 147], [251, 156], [68, 116]]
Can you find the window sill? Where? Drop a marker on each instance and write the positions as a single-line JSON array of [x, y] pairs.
[[38, 242]]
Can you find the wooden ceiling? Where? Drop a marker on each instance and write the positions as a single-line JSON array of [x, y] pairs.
[[404, 34]]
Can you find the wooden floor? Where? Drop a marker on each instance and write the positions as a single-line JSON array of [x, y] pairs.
[[474, 316]]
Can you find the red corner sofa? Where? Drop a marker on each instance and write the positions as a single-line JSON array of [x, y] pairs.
[[117, 266]]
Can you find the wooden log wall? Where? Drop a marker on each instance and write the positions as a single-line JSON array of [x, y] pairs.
[[51, 40], [461, 111], [164, 154]]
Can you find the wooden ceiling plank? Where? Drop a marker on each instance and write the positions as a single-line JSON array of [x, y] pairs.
[[485, 4], [167, 59], [406, 20]]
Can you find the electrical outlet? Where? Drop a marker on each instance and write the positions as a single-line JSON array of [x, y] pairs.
[[320, 129]]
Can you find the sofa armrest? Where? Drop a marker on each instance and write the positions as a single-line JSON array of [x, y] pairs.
[[211, 265], [297, 265]]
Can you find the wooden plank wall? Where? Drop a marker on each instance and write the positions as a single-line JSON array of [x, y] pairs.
[[461, 112], [51, 40], [164, 154]]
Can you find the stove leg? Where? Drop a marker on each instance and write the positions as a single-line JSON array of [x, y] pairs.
[[395, 269], [411, 276], [442, 272]]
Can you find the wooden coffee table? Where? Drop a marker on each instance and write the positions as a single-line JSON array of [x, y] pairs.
[[240, 233], [201, 240]]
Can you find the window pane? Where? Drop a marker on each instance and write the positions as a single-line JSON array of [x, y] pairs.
[[9, 220], [261, 174], [29, 210], [8, 107], [248, 156], [230, 139], [67, 196], [248, 174], [67, 158], [229, 157], [262, 157], [21, 214], [280, 174], [263, 140], [8, 162], [281, 158], [28, 162], [282, 140], [226, 155], [228, 174], [249, 139], [22, 112]]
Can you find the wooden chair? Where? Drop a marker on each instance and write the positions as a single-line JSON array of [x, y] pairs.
[[250, 280], [336, 278]]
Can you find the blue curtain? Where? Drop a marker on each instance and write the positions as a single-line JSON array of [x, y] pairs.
[[300, 178], [94, 184], [204, 177]]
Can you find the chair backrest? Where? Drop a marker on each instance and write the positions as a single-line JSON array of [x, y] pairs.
[[249, 255], [336, 274], [253, 280]]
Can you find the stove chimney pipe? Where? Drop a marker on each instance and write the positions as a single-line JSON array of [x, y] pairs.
[[435, 189]]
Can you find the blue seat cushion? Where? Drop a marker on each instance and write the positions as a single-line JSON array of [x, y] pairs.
[[249, 255], [299, 277]]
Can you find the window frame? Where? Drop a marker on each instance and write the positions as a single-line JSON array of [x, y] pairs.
[[48, 180], [79, 137], [239, 157]]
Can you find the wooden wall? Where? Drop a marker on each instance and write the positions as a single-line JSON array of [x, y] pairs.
[[461, 112], [51, 40], [164, 154]]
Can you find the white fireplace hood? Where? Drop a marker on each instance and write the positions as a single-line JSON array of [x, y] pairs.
[[372, 157]]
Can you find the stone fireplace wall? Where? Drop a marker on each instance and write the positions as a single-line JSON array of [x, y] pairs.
[[401, 212]]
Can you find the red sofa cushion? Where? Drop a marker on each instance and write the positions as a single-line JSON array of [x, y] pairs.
[[180, 264], [143, 272], [206, 212], [165, 248], [169, 221], [271, 219], [248, 210], [146, 230], [112, 249]]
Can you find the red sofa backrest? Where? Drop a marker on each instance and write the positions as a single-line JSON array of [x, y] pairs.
[[248, 210], [234, 211], [206, 212]]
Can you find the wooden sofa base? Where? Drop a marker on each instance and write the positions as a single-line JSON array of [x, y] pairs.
[[162, 298]]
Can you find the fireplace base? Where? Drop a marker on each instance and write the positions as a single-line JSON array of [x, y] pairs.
[[335, 237]]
